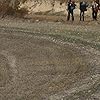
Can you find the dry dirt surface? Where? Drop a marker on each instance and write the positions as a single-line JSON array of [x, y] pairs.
[[35, 65]]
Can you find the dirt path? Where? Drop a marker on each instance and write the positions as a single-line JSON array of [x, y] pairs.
[[37, 66]]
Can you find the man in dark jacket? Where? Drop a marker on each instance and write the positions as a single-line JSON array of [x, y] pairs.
[[83, 8], [71, 7]]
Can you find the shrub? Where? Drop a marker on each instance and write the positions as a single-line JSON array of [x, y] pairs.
[[11, 7], [21, 12]]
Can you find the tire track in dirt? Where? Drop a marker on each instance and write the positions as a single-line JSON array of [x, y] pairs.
[[12, 62], [46, 82]]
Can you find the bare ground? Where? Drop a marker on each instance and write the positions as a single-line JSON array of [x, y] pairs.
[[49, 60]]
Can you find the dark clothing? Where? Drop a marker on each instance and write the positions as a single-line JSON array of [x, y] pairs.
[[95, 8], [94, 15], [81, 15], [71, 7], [70, 13], [83, 8]]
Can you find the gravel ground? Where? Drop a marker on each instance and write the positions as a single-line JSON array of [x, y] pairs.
[[49, 60]]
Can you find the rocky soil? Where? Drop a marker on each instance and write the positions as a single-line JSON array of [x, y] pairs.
[[41, 60]]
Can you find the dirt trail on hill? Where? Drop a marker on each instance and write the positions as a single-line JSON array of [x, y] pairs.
[[37, 66]]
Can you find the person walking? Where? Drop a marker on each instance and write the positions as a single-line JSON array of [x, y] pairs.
[[83, 8], [71, 7], [95, 8]]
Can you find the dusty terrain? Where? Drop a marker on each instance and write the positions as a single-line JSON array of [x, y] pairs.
[[49, 60]]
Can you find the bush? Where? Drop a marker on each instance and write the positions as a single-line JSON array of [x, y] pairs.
[[21, 12], [11, 7]]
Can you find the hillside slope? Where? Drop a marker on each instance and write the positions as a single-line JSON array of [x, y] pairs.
[[50, 6]]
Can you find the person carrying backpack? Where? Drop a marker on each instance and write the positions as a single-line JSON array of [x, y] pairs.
[[83, 8], [95, 8], [71, 7]]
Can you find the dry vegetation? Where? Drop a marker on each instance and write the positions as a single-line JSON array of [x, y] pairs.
[[11, 7]]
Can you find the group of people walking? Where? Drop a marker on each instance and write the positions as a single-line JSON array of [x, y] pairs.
[[83, 7]]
